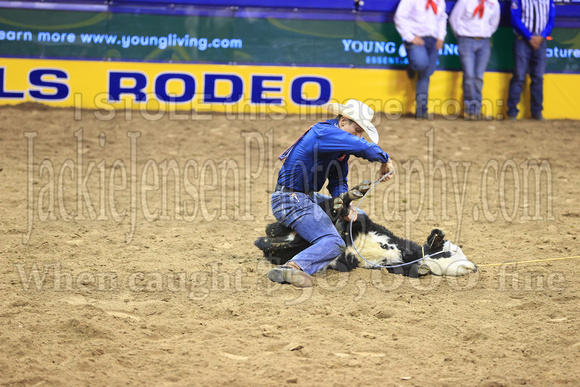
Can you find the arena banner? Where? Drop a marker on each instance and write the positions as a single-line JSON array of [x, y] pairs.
[[353, 42], [155, 89]]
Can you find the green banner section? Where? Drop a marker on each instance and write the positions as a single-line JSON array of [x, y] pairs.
[[184, 38]]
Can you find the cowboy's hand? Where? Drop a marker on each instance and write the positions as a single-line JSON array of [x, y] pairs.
[[352, 213], [386, 168], [438, 44]]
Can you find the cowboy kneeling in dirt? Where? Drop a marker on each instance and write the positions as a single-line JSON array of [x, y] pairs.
[[321, 154]]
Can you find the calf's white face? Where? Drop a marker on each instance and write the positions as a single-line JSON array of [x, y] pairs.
[[377, 249], [456, 265]]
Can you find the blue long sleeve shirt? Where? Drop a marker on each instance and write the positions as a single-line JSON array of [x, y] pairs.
[[532, 17], [323, 154]]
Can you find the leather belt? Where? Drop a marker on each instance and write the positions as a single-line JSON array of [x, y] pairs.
[[281, 188], [475, 37]]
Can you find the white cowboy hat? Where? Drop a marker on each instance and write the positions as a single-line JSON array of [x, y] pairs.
[[359, 112]]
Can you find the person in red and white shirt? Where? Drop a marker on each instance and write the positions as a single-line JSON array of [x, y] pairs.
[[423, 25], [473, 22]]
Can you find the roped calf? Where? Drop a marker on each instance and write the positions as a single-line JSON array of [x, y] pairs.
[[378, 245]]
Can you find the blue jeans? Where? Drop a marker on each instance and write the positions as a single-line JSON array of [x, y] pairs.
[[474, 55], [422, 59], [524, 56], [302, 213]]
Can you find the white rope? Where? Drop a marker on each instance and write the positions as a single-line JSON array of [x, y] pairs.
[[440, 252]]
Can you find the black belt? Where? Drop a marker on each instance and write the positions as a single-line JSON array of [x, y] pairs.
[[281, 188], [475, 37]]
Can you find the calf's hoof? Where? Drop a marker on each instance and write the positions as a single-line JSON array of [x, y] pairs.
[[338, 204], [356, 194], [424, 270], [365, 186]]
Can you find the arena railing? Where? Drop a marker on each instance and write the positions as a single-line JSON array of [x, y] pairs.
[[567, 12]]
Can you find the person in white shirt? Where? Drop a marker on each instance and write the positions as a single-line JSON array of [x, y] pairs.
[[423, 25], [473, 22]]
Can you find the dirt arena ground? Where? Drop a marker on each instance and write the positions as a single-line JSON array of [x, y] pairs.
[[110, 275]]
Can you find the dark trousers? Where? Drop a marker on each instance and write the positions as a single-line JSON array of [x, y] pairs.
[[422, 59], [525, 56]]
